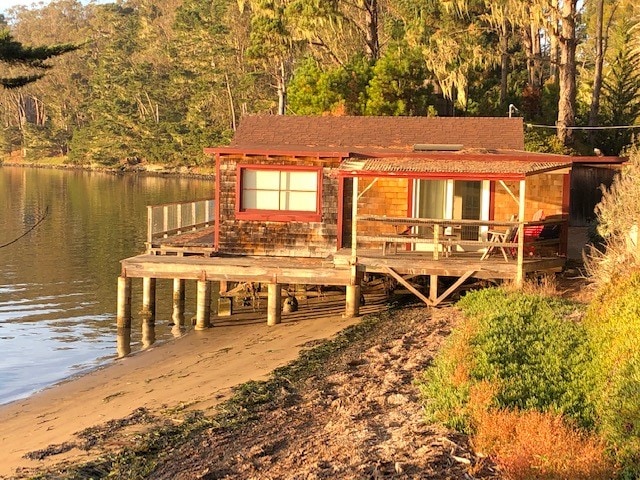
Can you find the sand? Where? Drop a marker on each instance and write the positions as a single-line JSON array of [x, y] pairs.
[[198, 369]]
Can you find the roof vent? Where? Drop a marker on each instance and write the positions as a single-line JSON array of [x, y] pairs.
[[437, 147]]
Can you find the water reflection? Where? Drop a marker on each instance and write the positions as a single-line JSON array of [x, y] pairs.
[[58, 283]]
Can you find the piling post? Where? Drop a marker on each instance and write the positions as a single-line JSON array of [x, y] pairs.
[[352, 308], [274, 304], [433, 287], [149, 300], [178, 302], [203, 307], [123, 342], [352, 301], [123, 319]]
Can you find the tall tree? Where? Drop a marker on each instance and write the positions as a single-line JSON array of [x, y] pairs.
[[567, 42], [30, 60]]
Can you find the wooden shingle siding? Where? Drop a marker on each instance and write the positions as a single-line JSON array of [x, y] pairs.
[[544, 192]]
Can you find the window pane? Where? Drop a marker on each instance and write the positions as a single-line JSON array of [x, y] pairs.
[[259, 200], [263, 179], [300, 201], [297, 180]]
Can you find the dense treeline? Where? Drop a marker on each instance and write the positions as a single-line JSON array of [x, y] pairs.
[[158, 81]]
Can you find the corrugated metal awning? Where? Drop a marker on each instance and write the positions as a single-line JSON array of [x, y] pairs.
[[488, 167]]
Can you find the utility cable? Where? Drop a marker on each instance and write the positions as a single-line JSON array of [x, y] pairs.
[[44, 215], [612, 127]]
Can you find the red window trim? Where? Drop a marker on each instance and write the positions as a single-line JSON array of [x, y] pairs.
[[278, 215]]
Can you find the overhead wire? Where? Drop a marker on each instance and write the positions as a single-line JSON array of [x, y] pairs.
[[30, 229]]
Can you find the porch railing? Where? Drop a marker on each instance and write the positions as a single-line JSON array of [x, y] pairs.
[[177, 218], [448, 237]]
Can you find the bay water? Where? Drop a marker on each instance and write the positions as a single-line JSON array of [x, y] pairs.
[[58, 283]]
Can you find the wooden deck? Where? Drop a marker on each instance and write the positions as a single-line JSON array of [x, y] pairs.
[[191, 256]]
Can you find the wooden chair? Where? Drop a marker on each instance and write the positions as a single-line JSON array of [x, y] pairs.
[[498, 239]]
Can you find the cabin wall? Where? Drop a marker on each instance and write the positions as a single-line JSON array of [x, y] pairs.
[[543, 192], [277, 238], [389, 196], [585, 191]]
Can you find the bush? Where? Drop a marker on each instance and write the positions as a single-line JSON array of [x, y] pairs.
[[617, 215], [523, 344], [517, 376], [531, 444], [613, 325]]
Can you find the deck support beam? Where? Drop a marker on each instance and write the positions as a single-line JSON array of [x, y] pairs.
[[203, 305], [274, 304], [178, 302], [408, 286], [123, 319], [148, 300]]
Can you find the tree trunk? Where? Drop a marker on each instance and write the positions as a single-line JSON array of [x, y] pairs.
[[567, 72], [594, 109], [372, 39], [504, 63], [282, 89]]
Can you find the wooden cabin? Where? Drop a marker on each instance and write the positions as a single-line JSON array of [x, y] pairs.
[[335, 200], [286, 183]]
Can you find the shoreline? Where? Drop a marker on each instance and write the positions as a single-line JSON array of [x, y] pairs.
[[193, 372], [124, 169]]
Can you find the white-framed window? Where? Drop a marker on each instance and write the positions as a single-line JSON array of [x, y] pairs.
[[271, 192]]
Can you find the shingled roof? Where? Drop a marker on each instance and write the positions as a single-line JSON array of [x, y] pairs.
[[362, 134]]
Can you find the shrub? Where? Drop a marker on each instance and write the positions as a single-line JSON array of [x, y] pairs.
[[617, 215], [523, 344], [613, 325], [532, 349], [531, 444], [516, 377]]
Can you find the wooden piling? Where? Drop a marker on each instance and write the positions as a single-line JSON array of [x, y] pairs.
[[352, 308], [148, 334], [123, 319], [203, 307], [433, 287], [149, 300], [178, 302], [274, 304], [123, 342]]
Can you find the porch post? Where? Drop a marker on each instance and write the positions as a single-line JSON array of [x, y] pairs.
[[521, 214], [354, 222]]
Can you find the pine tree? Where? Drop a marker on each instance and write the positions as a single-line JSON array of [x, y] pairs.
[[31, 61]]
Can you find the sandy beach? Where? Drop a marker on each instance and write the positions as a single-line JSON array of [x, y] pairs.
[[197, 370]]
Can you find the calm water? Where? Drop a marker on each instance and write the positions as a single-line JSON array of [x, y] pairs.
[[58, 283]]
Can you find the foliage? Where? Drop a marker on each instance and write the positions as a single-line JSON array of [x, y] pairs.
[[530, 444], [523, 343], [33, 59], [518, 377], [613, 324], [617, 215], [158, 81]]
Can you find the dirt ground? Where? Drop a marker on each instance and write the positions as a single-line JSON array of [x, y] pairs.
[[360, 419]]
